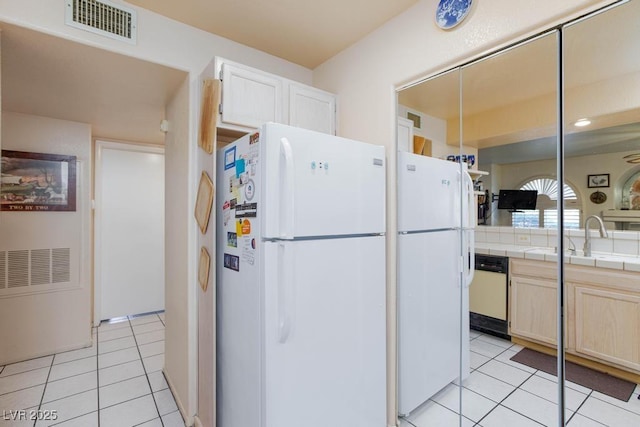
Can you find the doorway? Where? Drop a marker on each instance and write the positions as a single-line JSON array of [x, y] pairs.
[[129, 229]]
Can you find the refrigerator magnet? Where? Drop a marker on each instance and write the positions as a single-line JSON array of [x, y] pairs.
[[249, 190], [240, 165], [232, 239], [248, 254], [229, 158], [246, 210], [246, 227], [231, 262]]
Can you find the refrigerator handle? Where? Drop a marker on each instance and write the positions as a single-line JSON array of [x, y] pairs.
[[470, 258], [470, 217], [286, 191], [285, 293], [471, 214]]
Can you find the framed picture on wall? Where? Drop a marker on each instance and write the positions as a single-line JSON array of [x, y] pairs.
[[204, 266], [596, 181], [204, 201], [36, 182]]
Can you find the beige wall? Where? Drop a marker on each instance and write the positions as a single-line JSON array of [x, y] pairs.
[[39, 323], [408, 47], [168, 42]]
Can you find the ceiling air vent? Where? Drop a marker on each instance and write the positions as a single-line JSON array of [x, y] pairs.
[[102, 17]]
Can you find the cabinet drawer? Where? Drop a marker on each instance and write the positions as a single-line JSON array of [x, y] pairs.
[[522, 267]]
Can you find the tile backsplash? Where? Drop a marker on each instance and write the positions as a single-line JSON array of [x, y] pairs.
[[622, 242]]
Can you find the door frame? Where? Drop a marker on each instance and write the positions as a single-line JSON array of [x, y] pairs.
[[96, 203]]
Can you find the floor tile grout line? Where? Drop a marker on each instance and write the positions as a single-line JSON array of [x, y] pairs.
[[147, 421], [609, 403], [507, 396], [113, 351], [587, 395], [129, 400], [74, 418], [24, 372], [69, 395], [144, 368], [540, 371], [44, 390], [511, 393], [580, 406], [130, 361], [407, 420], [139, 333]]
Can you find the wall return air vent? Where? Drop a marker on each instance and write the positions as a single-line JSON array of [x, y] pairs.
[[102, 17]]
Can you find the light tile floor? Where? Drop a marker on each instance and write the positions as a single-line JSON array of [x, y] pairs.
[[503, 393], [117, 382]]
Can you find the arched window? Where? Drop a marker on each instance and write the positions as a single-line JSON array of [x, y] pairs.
[[631, 192], [546, 214]]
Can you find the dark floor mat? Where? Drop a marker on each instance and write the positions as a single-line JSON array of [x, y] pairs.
[[587, 377]]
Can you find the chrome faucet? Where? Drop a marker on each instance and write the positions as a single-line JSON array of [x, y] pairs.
[[587, 235]]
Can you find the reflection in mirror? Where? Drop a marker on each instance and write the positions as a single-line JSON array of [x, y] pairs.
[[429, 248], [506, 99], [602, 146], [510, 114]]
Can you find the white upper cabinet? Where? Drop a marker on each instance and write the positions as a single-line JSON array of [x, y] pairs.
[[252, 97], [405, 135], [312, 108]]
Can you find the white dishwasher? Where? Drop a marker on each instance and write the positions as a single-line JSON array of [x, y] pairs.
[[489, 296]]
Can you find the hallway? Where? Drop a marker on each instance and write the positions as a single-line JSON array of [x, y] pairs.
[[116, 382]]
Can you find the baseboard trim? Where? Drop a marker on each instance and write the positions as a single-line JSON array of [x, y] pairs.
[[188, 418]]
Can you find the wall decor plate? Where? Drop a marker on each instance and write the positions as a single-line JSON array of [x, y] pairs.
[[452, 12], [598, 197]]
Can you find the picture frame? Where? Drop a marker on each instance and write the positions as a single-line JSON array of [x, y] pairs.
[[37, 182], [204, 267], [598, 180], [204, 201]]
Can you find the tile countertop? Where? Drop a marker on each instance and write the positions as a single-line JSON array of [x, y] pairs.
[[598, 259]]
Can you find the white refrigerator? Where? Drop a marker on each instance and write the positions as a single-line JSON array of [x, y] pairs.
[[301, 315], [435, 267]]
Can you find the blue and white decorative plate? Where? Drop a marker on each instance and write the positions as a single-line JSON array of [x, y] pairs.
[[452, 12]]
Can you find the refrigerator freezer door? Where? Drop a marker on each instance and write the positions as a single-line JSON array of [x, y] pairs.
[[320, 185], [429, 300], [324, 333], [428, 193]]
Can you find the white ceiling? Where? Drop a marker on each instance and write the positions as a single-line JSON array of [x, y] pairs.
[[122, 98], [306, 32]]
